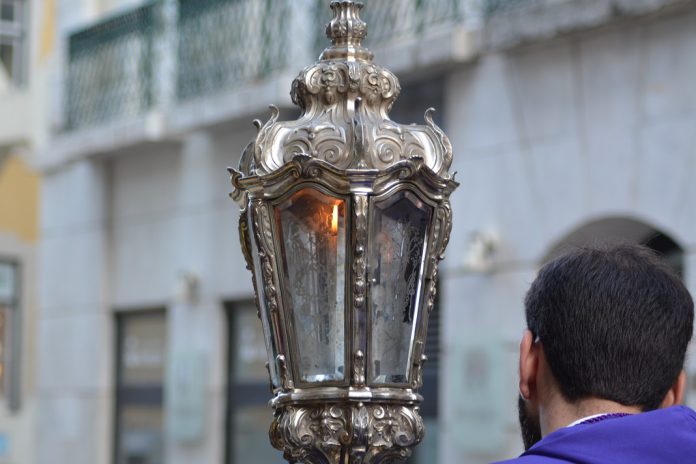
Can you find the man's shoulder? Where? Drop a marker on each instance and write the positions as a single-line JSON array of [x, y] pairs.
[[630, 439], [533, 460]]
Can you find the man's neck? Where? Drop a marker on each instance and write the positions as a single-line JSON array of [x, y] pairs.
[[560, 413]]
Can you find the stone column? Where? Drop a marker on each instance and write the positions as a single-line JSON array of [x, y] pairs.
[[74, 322]]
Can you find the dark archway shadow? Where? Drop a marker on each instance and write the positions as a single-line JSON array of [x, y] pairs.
[[620, 230]]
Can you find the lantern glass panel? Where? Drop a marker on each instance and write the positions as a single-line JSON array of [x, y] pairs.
[[313, 230], [266, 321], [398, 230]]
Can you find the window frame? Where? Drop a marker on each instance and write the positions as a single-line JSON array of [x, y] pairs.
[[239, 393], [129, 395], [12, 381], [14, 33]]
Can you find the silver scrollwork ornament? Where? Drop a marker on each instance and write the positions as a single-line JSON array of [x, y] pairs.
[[360, 433]]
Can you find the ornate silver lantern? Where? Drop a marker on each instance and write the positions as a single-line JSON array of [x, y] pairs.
[[345, 215]]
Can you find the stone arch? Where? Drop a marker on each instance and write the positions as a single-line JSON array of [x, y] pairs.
[[617, 230]]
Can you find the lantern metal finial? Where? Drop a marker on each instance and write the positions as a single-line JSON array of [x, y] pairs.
[[345, 217], [346, 31]]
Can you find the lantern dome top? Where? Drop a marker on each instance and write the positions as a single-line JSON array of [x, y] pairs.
[[345, 100]]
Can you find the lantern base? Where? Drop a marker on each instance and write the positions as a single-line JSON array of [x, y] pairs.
[[347, 433]]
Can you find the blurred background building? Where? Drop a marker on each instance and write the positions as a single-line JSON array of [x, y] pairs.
[[20, 188], [128, 334]]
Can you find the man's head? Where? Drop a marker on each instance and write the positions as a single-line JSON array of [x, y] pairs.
[[610, 324]]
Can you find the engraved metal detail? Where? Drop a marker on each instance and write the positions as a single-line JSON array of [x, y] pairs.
[[441, 234], [245, 241], [303, 167], [283, 370], [418, 364], [346, 26], [368, 433], [346, 31], [359, 260], [313, 435], [359, 369], [264, 241]]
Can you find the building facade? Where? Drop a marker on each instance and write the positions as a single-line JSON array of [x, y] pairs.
[[21, 63], [572, 122]]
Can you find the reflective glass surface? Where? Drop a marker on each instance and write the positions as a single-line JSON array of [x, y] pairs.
[[144, 347], [141, 440], [4, 316], [10, 336], [141, 358], [398, 231], [7, 52], [7, 10], [313, 230]]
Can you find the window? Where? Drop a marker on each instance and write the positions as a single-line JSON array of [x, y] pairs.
[[12, 40], [10, 331], [248, 414], [140, 368], [427, 451]]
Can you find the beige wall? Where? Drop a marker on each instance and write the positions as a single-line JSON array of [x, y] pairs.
[[19, 199], [19, 210]]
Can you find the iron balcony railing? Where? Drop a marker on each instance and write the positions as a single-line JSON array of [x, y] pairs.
[[222, 43], [170, 51], [394, 20], [399, 19], [118, 67], [494, 7], [110, 69]]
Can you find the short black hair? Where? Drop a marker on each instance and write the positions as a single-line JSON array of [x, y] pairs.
[[614, 323]]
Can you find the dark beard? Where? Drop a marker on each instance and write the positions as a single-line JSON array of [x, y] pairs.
[[529, 425]]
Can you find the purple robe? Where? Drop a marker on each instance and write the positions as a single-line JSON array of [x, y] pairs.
[[664, 436]]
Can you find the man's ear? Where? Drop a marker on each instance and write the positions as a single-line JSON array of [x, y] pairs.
[[675, 395], [529, 365]]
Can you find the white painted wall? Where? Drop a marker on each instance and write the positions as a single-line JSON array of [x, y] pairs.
[[18, 426], [549, 137], [75, 328], [171, 215]]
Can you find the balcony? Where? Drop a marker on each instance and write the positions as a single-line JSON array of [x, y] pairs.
[[223, 43], [394, 21], [172, 66], [495, 7], [110, 69], [169, 53], [165, 53], [415, 36]]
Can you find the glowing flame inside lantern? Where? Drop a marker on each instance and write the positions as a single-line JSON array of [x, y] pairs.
[[334, 220]]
